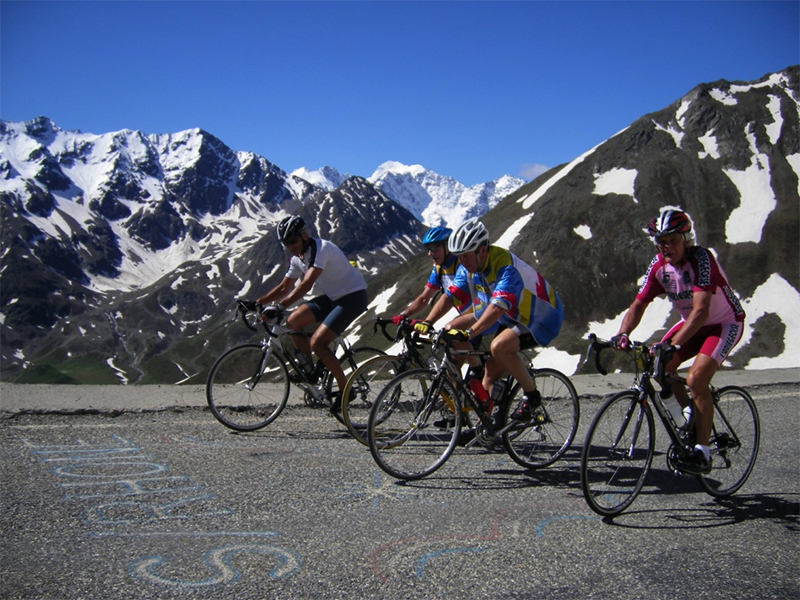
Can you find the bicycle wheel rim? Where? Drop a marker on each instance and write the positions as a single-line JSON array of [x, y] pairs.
[[349, 364], [734, 442], [540, 445], [411, 432], [362, 388], [239, 395], [613, 466]]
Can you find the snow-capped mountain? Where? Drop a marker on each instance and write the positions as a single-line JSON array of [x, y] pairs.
[[438, 199], [179, 222], [122, 252], [432, 198], [326, 178], [729, 154]]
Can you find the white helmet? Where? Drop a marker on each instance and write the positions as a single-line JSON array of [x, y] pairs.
[[469, 236]]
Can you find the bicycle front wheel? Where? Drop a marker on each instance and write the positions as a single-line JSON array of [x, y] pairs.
[[539, 444], [734, 442], [617, 453], [411, 431], [247, 388], [362, 388]]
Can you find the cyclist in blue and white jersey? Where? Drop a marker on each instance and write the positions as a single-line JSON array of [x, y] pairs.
[[508, 295], [440, 280]]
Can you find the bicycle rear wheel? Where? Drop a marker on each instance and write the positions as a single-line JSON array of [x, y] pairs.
[[734, 442], [247, 387], [362, 388], [349, 363], [537, 445], [411, 431], [617, 453]]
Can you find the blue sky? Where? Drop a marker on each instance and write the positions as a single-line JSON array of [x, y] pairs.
[[474, 90]]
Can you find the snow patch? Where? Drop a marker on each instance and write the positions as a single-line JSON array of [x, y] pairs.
[[615, 181], [775, 296], [584, 231], [746, 222]]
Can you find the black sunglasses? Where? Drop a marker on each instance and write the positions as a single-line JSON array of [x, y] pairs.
[[291, 241]]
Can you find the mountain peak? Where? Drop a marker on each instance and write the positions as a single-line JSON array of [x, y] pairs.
[[326, 178], [397, 168]]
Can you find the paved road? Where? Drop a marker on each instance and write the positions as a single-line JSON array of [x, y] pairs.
[[171, 504]]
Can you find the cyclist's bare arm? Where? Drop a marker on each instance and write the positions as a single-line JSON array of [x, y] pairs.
[[489, 317], [633, 317], [420, 302], [278, 292], [443, 304], [303, 287], [462, 321]]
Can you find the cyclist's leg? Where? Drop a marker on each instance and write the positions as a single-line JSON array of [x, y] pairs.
[[463, 321], [299, 319], [717, 342], [343, 311], [700, 374], [505, 349]]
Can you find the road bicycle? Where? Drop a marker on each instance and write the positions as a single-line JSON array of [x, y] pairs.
[[366, 382], [416, 420], [620, 442], [248, 386]]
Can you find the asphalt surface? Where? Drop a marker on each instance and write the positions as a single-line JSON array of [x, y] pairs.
[[147, 496]]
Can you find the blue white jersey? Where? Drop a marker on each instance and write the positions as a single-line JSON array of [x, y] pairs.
[[510, 283]]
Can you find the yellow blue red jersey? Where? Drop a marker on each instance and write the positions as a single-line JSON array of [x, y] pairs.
[[441, 277], [513, 285]]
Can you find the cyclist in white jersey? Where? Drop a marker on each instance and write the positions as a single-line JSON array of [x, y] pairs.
[[342, 292], [711, 325]]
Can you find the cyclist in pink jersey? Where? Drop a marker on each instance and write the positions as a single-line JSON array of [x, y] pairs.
[[711, 325]]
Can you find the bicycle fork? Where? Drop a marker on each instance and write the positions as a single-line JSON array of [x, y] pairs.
[[251, 383], [637, 428]]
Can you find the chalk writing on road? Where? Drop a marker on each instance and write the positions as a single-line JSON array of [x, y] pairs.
[[124, 485]]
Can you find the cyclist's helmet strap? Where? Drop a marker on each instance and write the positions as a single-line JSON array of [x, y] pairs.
[[290, 227], [468, 237], [670, 220], [437, 234]]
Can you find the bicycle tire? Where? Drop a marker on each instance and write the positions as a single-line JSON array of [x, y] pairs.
[[349, 363], [363, 387], [734, 442], [411, 432], [617, 453], [539, 445], [244, 394]]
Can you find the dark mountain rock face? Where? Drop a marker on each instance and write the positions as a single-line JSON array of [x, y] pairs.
[[122, 253], [721, 153]]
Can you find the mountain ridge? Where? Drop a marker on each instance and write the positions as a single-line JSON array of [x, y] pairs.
[[122, 253]]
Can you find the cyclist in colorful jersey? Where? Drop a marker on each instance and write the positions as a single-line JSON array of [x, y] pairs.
[[508, 296], [440, 280], [711, 325], [343, 292]]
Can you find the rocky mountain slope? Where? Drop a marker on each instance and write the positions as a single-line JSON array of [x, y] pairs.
[[122, 252]]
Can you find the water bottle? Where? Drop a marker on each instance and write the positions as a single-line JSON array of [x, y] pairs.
[[477, 388], [498, 389], [304, 363], [674, 409]]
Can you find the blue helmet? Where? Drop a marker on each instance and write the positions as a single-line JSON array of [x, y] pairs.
[[437, 234]]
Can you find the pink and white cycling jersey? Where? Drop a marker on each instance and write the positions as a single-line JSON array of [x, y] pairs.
[[699, 272]]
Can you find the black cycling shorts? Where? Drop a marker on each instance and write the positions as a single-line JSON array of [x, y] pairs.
[[338, 314]]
